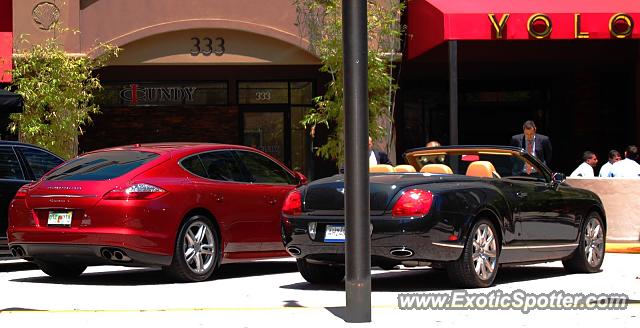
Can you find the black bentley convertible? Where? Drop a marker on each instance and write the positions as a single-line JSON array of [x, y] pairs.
[[466, 209]]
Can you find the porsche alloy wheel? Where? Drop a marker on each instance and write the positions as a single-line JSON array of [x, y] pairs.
[[61, 270], [589, 254], [478, 264], [196, 253]]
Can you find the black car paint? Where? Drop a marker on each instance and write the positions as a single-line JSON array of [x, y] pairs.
[[537, 220], [9, 187]]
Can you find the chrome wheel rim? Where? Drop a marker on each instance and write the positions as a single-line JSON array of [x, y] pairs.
[[199, 247], [484, 252], [593, 242]]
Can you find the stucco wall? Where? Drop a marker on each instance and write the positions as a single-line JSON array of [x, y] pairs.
[[620, 199], [264, 27]]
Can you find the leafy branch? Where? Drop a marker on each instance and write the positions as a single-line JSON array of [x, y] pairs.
[[58, 91], [321, 22]]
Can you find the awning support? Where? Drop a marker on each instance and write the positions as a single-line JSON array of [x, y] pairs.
[[453, 92]]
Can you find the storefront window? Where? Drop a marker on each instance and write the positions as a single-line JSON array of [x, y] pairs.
[[301, 93], [263, 93], [142, 94]]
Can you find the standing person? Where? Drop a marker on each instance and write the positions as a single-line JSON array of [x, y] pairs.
[[432, 143], [605, 170], [433, 159], [535, 144], [376, 156], [628, 167], [585, 169]]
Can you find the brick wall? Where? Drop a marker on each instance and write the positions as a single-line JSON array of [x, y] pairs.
[[121, 126]]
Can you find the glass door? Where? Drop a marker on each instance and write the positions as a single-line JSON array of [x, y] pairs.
[[266, 131], [271, 115]]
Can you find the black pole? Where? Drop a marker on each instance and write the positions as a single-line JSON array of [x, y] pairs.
[[356, 177], [453, 92]]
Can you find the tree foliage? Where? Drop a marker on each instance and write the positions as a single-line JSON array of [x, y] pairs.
[[321, 22], [58, 91]]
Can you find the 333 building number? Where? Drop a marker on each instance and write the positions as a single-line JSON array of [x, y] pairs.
[[207, 46], [263, 95]]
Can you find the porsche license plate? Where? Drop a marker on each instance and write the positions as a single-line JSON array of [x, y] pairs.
[[334, 234], [60, 218]]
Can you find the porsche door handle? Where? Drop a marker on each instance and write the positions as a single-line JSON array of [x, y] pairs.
[[521, 195]]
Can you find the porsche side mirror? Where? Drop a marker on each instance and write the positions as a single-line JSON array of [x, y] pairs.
[[301, 178]]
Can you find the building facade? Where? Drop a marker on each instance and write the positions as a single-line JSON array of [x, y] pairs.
[[240, 72], [207, 71]]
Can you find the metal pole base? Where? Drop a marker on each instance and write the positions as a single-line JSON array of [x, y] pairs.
[[358, 301]]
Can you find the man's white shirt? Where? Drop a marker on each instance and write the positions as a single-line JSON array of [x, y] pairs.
[[626, 168], [605, 170], [372, 159], [583, 170]]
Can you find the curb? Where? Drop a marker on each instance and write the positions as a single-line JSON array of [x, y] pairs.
[[632, 248]]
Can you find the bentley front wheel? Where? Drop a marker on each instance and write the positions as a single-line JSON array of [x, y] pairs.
[[588, 256]]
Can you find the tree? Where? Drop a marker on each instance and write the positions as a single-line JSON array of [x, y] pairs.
[[58, 91], [321, 22]]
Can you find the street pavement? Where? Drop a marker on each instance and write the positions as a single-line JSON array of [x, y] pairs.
[[272, 293]]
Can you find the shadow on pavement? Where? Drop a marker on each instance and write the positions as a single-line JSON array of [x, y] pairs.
[[427, 279], [338, 311], [17, 266], [155, 276]]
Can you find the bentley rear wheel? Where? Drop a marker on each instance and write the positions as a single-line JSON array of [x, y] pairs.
[[478, 264], [320, 273], [588, 256]]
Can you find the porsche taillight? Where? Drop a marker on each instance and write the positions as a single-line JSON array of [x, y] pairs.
[[293, 203], [21, 193], [413, 202], [138, 191]]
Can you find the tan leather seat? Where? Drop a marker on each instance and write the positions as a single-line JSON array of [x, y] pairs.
[[482, 169], [404, 168], [381, 168], [436, 168]]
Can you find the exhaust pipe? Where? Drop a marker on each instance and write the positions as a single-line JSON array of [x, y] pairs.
[[114, 254], [118, 255], [295, 251], [18, 251], [106, 254], [401, 252]]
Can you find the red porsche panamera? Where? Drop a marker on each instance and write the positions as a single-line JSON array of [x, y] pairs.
[[184, 207]]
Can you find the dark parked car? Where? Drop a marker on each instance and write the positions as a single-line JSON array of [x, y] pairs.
[[184, 207], [20, 164], [466, 209]]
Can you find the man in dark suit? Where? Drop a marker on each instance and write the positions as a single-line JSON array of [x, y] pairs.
[[379, 156], [536, 144]]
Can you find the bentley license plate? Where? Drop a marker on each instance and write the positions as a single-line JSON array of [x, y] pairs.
[[334, 234], [60, 218]]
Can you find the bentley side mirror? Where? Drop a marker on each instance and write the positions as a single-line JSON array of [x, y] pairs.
[[558, 178]]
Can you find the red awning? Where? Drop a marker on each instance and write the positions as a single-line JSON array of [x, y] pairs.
[[431, 22], [6, 40]]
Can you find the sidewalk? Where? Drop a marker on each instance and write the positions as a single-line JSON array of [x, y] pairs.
[[630, 248]]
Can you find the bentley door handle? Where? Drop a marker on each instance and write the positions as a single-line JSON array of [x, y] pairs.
[[521, 194]]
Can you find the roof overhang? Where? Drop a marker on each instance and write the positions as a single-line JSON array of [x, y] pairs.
[[432, 22], [10, 102]]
